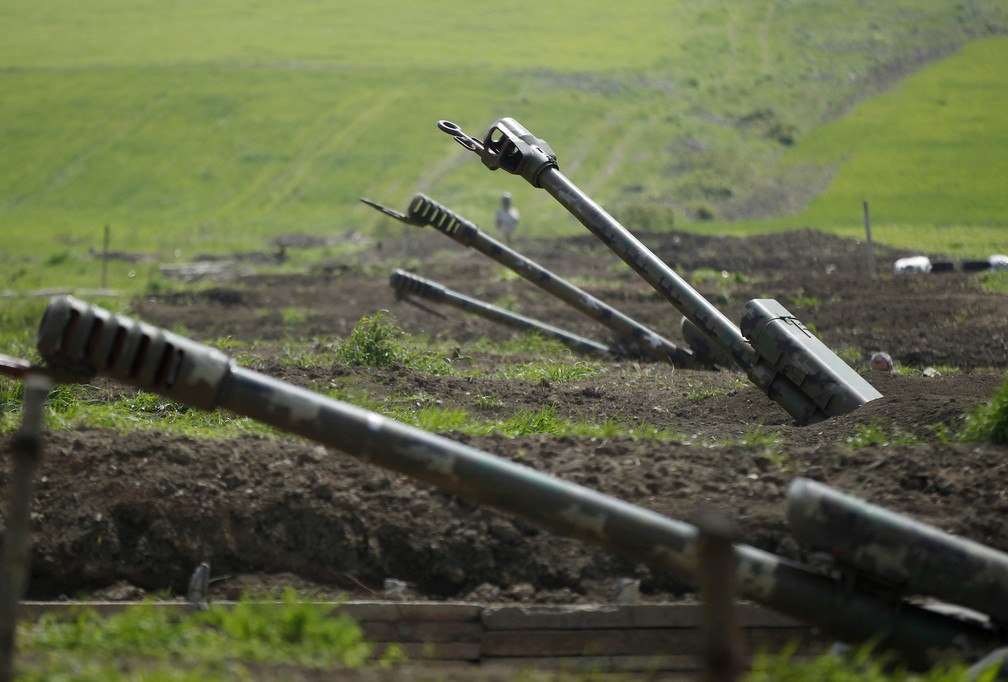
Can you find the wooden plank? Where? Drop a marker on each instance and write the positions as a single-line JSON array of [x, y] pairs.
[[614, 616], [412, 611], [416, 631], [588, 617], [434, 651], [603, 664], [549, 643]]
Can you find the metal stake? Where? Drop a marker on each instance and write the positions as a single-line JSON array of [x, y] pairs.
[[17, 543]]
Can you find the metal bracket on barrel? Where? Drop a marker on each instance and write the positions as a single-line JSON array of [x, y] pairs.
[[509, 146]]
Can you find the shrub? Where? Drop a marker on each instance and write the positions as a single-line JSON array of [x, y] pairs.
[[989, 422]]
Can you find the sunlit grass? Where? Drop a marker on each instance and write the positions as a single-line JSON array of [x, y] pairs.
[[192, 129], [173, 644]]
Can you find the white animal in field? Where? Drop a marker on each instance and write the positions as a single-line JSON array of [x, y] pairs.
[[507, 217], [912, 265], [998, 261]]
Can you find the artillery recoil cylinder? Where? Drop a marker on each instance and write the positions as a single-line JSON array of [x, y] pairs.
[[77, 338]]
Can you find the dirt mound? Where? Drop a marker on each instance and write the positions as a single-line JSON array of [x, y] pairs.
[[146, 507]]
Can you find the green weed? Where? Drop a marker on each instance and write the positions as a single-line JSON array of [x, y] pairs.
[[877, 435], [488, 401], [697, 393], [994, 281], [376, 342], [806, 302], [558, 371], [859, 664], [294, 316], [989, 422], [527, 344], [761, 437], [179, 645], [852, 355]]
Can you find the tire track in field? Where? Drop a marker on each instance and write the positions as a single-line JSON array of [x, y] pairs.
[[77, 164], [272, 187], [338, 133], [621, 133]]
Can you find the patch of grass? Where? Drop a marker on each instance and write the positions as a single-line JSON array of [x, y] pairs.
[[994, 281], [806, 302], [875, 434], [194, 129], [989, 422], [376, 342], [534, 421], [859, 665], [428, 415], [761, 437], [74, 405], [558, 371], [697, 393], [508, 302], [852, 355], [488, 401], [177, 645], [294, 316], [526, 344], [641, 430]]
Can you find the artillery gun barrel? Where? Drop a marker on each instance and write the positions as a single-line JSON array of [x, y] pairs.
[[77, 339], [707, 319], [407, 283], [900, 552], [782, 357], [425, 210]]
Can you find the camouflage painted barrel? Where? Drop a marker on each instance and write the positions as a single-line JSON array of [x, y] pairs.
[[77, 339], [407, 283], [902, 553], [426, 210], [509, 146]]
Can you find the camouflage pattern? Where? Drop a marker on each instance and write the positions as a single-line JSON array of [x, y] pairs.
[[406, 283], [788, 348], [81, 339], [703, 345], [905, 555], [425, 211], [506, 140]]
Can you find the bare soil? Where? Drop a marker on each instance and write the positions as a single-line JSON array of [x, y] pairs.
[[119, 514]]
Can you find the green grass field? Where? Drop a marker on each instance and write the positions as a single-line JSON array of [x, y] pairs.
[[193, 128]]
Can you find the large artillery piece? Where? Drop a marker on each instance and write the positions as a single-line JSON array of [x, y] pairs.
[[406, 283], [899, 553], [78, 340], [777, 352], [425, 211]]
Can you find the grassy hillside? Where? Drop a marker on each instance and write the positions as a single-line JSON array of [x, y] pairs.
[[927, 156], [193, 128]]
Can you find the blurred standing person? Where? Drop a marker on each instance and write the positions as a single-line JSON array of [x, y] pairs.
[[506, 220]]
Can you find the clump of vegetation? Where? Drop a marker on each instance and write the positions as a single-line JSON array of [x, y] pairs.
[[557, 371], [376, 342], [875, 433], [213, 644], [859, 664], [994, 281], [989, 422]]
